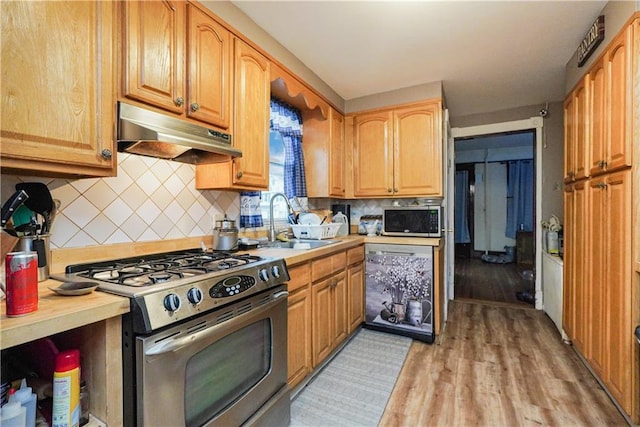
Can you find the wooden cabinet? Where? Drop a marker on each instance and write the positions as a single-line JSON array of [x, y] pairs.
[[355, 284], [329, 305], [251, 127], [611, 343], [575, 133], [178, 58], [609, 107], [575, 281], [58, 100], [299, 325], [398, 152], [324, 154]]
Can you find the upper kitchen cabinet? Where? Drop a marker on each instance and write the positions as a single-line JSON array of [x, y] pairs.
[[251, 127], [610, 106], [324, 155], [58, 109], [575, 133], [179, 59], [398, 152]]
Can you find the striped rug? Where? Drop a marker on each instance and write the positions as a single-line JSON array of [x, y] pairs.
[[353, 389]]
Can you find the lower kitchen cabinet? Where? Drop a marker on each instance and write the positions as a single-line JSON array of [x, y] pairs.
[[355, 285], [299, 324], [329, 316]]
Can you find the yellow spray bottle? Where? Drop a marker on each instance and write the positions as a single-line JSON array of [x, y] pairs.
[[66, 390]]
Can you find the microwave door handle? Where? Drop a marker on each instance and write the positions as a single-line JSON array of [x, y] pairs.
[[177, 343]]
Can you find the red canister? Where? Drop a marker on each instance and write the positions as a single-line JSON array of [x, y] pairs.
[[21, 269]]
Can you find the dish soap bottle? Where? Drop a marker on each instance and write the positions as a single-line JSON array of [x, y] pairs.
[[13, 414], [27, 399], [66, 390]]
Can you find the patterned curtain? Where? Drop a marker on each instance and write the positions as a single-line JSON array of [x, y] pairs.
[[250, 212], [288, 121]]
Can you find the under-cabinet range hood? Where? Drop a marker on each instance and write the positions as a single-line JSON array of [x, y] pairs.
[[152, 134]]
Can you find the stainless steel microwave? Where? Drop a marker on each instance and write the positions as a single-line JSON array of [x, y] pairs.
[[412, 221]]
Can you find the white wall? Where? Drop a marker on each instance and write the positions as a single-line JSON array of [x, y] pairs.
[[490, 208]]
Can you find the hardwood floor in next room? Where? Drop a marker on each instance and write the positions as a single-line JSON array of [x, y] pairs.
[[497, 366], [477, 280]]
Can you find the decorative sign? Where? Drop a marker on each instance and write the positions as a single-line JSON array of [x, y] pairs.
[[591, 40]]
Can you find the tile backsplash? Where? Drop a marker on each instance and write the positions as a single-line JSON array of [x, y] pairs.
[[150, 199]]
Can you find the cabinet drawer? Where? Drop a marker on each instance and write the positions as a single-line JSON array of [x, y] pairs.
[[355, 255], [328, 265], [300, 275]]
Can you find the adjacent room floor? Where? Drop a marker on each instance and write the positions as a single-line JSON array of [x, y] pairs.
[[497, 365], [478, 280]]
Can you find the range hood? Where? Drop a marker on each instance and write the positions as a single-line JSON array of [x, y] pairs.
[[152, 134]]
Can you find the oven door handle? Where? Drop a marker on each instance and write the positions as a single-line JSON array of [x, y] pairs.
[[177, 343]]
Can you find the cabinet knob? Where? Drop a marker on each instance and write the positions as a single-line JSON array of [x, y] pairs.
[[195, 106], [239, 174], [602, 164], [602, 185], [389, 190], [179, 101], [106, 154], [395, 190]]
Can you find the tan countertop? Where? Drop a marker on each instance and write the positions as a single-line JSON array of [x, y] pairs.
[[58, 313]]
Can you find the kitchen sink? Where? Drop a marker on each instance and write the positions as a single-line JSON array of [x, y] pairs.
[[300, 244]]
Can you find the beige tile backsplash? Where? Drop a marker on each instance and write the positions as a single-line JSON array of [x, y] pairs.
[[150, 199]]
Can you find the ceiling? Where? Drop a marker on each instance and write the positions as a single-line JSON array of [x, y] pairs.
[[490, 56]]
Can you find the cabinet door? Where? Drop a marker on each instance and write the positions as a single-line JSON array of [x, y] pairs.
[[596, 256], [322, 323], [336, 155], [209, 63], [581, 141], [569, 138], [355, 297], [373, 155], [618, 153], [620, 342], [299, 336], [417, 156], [597, 111], [569, 286], [579, 267], [58, 102], [339, 291], [251, 120], [154, 37]]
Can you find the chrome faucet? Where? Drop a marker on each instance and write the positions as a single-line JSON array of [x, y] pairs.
[[272, 228]]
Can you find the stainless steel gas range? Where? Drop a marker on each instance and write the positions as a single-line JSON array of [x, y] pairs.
[[205, 340]]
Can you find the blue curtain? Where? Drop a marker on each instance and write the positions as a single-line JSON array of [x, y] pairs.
[[461, 207], [250, 212], [519, 197], [288, 121]]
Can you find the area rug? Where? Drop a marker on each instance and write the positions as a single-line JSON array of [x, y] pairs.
[[353, 389]]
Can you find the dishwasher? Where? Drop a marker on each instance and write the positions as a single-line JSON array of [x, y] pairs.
[[399, 290]]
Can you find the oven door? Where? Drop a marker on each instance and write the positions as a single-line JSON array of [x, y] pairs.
[[219, 369]]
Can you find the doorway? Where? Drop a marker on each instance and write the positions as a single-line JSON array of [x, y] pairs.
[[497, 146]]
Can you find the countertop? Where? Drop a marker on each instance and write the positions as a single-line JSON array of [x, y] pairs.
[[58, 313]]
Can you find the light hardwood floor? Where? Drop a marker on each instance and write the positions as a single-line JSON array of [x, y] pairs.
[[497, 366]]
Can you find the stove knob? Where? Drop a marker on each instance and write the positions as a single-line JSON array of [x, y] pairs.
[[194, 295], [172, 302], [275, 270], [264, 275]]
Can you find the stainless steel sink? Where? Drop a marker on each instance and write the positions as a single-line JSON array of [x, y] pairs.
[[300, 244]]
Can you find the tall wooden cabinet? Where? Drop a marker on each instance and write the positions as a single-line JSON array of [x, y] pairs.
[[600, 306], [355, 284], [178, 58], [251, 127], [58, 90], [398, 152], [299, 324]]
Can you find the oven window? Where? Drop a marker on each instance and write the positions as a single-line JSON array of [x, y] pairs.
[[221, 373]]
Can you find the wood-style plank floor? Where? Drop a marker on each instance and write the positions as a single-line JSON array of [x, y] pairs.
[[497, 365], [478, 280]]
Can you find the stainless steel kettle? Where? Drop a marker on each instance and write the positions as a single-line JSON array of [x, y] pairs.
[[225, 235]]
